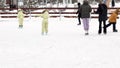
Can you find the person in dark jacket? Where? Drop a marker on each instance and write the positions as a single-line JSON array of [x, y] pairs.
[[85, 15], [79, 14], [113, 3], [102, 11]]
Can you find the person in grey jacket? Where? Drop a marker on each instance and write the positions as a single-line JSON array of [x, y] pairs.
[[85, 15]]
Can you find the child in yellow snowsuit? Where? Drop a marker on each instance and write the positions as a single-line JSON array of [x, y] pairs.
[[20, 17], [45, 16]]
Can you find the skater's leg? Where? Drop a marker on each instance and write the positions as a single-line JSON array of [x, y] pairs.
[[43, 27], [79, 20], [100, 27], [105, 30], [20, 23], [108, 25], [46, 27], [114, 27], [86, 25]]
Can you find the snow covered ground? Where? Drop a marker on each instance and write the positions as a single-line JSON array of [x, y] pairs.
[[65, 46]]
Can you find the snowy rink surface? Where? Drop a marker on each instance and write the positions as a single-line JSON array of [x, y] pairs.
[[65, 46]]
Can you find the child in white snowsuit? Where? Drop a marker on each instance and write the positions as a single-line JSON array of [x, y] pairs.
[[20, 17], [45, 16]]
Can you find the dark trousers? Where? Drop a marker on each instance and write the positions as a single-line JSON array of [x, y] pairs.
[[114, 25], [100, 27], [79, 19]]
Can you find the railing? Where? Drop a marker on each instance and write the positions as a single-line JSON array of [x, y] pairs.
[[54, 12]]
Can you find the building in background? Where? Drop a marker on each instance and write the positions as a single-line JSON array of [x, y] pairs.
[[24, 3], [17, 3]]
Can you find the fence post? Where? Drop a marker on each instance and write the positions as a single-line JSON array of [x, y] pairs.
[[60, 11]]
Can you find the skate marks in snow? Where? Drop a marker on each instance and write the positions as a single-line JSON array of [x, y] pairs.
[[27, 54], [65, 46]]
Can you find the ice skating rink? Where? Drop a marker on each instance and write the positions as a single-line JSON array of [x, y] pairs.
[[65, 46]]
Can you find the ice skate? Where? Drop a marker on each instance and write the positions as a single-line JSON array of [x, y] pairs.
[[115, 30]]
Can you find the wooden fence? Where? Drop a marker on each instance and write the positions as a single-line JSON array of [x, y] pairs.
[[54, 12]]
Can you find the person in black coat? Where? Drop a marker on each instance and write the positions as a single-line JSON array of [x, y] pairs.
[[102, 11], [113, 3], [79, 14]]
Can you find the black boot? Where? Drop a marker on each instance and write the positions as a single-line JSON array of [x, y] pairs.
[[86, 33], [79, 24], [115, 30], [99, 31]]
